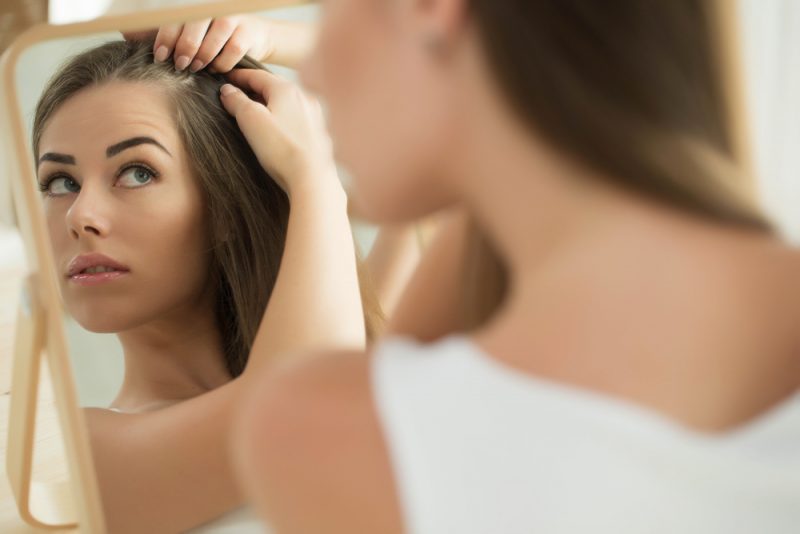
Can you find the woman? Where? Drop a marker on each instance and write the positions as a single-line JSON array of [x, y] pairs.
[[633, 366], [174, 227]]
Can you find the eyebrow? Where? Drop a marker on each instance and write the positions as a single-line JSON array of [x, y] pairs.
[[113, 150], [58, 158]]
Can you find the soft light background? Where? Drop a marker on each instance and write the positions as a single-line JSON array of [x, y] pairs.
[[771, 52]]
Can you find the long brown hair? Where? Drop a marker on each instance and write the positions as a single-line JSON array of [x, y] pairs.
[[629, 88], [247, 212]]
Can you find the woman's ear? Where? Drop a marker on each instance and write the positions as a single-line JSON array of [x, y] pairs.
[[439, 22]]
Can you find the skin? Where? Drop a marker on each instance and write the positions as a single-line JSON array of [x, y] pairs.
[[179, 403], [608, 291]]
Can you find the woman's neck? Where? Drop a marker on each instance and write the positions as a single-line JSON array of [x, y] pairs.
[[619, 293], [171, 359]]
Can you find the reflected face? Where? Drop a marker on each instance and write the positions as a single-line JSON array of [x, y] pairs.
[[124, 211], [391, 110]]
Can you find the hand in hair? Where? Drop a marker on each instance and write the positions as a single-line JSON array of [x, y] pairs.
[[219, 44], [215, 43], [285, 129]]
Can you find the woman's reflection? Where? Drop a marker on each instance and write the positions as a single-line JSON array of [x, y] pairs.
[[175, 219]]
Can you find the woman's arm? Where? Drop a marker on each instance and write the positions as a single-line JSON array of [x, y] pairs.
[[292, 42], [316, 301], [291, 143], [169, 470], [430, 306]]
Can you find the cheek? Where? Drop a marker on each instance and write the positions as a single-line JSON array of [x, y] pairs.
[[389, 115], [398, 161], [55, 212], [174, 242], [61, 242], [162, 236]]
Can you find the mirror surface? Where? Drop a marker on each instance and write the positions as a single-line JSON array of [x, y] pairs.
[[98, 314], [97, 358]]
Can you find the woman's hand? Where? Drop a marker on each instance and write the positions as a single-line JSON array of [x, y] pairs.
[[286, 130], [218, 44]]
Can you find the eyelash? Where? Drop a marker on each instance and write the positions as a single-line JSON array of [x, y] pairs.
[[45, 185]]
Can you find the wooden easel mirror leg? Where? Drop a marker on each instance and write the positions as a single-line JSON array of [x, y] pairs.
[[40, 505]]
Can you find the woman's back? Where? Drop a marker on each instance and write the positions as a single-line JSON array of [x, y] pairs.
[[694, 320], [660, 396], [479, 447]]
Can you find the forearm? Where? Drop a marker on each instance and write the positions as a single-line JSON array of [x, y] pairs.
[[292, 42], [430, 305], [316, 302], [391, 262]]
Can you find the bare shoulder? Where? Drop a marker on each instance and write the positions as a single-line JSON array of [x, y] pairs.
[[310, 450], [179, 454]]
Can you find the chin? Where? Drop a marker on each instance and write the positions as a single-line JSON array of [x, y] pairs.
[[382, 206], [104, 326], [101, 321]]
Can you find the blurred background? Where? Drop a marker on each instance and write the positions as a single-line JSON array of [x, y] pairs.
[[770, 51]]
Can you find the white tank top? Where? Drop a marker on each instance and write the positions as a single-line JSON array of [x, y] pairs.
[[478, 447]]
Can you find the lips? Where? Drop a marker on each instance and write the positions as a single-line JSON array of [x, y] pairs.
[[98, 264]]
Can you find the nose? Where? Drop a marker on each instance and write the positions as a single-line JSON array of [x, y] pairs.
[[85, 217]]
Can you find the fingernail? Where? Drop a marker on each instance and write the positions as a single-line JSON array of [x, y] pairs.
[[227, 89], [181, 63], [161, 54], [196, 65]]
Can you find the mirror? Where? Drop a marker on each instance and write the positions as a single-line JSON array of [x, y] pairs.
[[96, 360]]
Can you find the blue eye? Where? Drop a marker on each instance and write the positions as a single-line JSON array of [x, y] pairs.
[[135, 176], [59, 186]]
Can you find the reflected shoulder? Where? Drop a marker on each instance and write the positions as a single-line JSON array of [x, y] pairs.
[[311, 452]]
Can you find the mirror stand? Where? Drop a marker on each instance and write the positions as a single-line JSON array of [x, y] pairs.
[[74, 502], [40, 504]]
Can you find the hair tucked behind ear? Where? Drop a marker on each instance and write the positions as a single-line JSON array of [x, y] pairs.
[[247, 212], [629, 88]]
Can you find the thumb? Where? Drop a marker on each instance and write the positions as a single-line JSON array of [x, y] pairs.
[[254, 120], [238, 104]]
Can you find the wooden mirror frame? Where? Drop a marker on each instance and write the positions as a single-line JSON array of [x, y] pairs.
[[75, 502]]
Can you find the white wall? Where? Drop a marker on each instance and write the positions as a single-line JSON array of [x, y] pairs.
[[771, 35]]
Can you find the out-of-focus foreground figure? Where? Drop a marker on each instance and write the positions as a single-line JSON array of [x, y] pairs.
[[605, 333]]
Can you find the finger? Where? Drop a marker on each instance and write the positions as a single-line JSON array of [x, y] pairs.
[[218, 34], [233, 52], [237, 103], [189, 42], [254, 120], [140, 35], [165, 41], [256, 81]]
